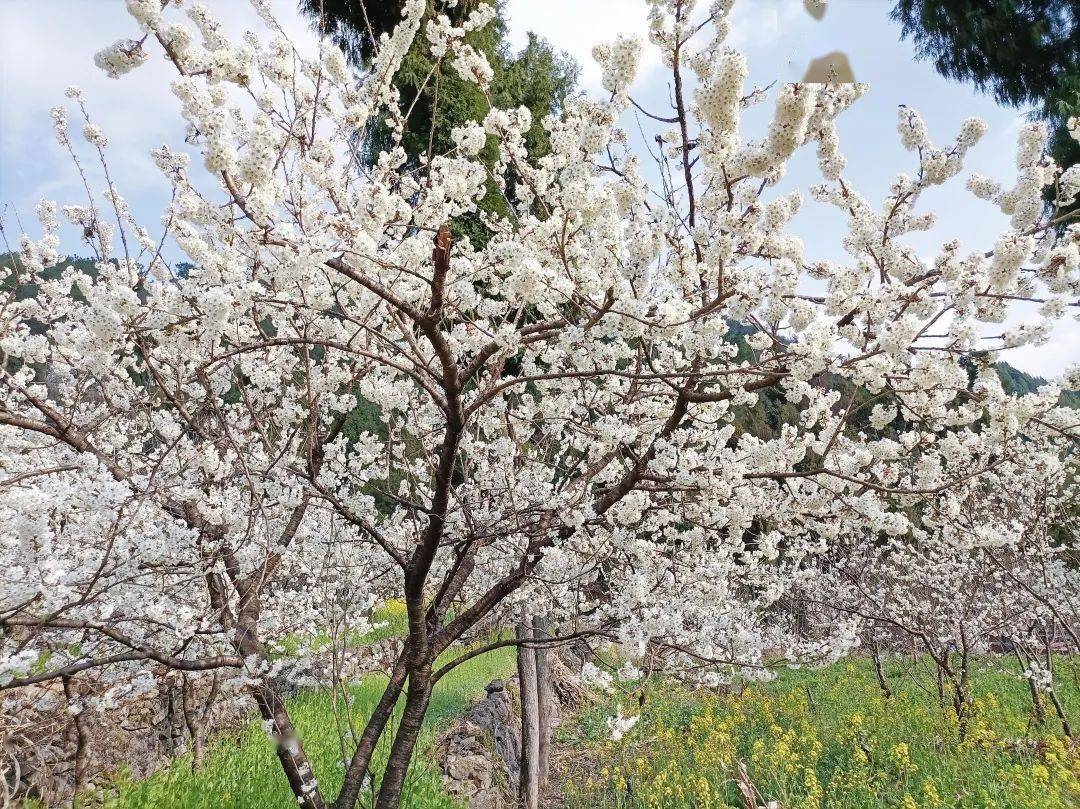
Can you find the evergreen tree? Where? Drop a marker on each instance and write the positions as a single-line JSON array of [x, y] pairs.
[[537, 77], [1024, 52]]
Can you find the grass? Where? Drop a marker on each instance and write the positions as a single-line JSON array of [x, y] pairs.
[[241, 771], [388, 621], [828, 739], [824, 739]]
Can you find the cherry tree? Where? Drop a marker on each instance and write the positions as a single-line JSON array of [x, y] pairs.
[[186, 485], [983, 567]]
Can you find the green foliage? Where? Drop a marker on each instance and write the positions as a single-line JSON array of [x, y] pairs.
[[355, 24], [13, 275], [1016, 382], [391, 620], [828, 739], [765, 418], [1020, 50], [1024, 52], [437, 99]]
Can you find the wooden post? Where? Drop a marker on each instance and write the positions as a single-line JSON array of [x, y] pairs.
[[547, 706], [529, 791]]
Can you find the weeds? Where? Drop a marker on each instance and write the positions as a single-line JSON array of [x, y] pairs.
[[831, 739]]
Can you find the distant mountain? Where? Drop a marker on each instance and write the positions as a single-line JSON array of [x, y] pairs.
[[765, 418], [1015, 381], [11, 265]]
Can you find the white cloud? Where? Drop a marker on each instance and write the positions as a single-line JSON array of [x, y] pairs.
[[575, 26], [45, 45], [763, 22]]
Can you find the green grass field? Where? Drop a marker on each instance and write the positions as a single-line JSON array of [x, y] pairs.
[[389, 621], [240, 771], [811, 739], [828, 738]]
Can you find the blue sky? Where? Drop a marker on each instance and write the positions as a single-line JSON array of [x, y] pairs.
[[46, 45]]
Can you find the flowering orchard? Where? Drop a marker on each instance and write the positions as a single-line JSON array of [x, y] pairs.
[[829, 739], [184, 488], [990, 572]]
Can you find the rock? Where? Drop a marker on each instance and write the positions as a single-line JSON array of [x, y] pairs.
[[476, 769], [479, 754], [140, 734]]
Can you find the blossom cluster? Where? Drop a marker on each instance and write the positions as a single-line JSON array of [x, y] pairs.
[[202, 462]]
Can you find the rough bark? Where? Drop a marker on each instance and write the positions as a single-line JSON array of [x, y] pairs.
[[879, 671], [1059, 709], [547, 704], [960, 680], [417, 696], [1051, 692], [529, 783], [1033, 687], [289, 749], [361, 759], [79, 758]]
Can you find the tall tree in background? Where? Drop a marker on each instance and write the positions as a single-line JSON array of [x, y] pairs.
[[1024, 52], [437, 100]]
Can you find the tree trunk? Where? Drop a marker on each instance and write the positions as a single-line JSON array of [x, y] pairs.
[[198, 752], [961, 695], [361, 759], [79, 759], [879, 671], [289, 749], [547, 706], [170, 731], [1036, 702], [1033, 688], [417, 697], [1059, 709], [529, 782], [194, 721], [1051, 691]]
